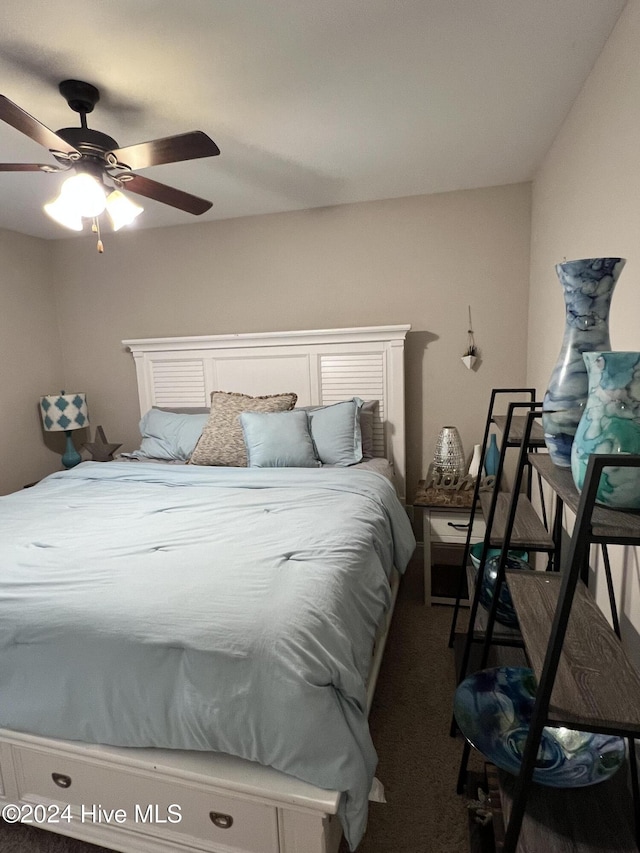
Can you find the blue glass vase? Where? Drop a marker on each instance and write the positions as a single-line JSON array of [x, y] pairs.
[[588, 285], [610, 424], [491, 457]]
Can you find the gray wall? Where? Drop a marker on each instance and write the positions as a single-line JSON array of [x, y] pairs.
[[30, 355], [586, 203], [420, 260]]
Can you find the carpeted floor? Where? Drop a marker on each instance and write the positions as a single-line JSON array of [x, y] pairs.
[[418, 761], [410, 719]]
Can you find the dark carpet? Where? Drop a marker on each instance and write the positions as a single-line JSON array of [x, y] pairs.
[[418, 761]]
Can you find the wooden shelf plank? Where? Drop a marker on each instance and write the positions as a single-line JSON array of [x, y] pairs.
[[595, 819], [528, 531], [518, 423], [596, 686], [616, 527]]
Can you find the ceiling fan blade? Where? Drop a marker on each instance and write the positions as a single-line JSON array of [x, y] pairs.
[[165, 194], [22, 121], [170, 149], [28, 167]]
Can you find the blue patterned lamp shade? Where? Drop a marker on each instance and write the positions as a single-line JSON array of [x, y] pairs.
[[64, 413]]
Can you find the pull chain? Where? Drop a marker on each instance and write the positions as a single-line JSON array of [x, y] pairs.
[[96, 230]]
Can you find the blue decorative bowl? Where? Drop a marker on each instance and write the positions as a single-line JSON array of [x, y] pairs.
[[475, 553], [493, 711], [505, 614]]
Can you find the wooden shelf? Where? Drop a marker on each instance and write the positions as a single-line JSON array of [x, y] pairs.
[[528, 530], [616, 527], [594, 819], [516, 432], [596, 686]]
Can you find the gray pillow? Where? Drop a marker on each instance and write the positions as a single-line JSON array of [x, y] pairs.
[[368, 414], [222, 440]]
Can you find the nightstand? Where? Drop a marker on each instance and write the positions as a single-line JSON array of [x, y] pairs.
[[445, 523]]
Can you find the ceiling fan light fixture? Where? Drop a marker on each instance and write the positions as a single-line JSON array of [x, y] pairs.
[[99, 163], [84, 194], [122, 211], [62, 212]]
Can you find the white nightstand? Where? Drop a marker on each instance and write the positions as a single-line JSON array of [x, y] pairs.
[[444, 536]]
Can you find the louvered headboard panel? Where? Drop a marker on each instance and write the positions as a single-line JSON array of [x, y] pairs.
[[178, 383], [357, 375], [322, 367]]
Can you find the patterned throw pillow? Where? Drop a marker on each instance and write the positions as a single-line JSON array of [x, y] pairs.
[[222, 440]]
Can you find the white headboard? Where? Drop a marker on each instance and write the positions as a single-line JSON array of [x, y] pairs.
[[322, 367]]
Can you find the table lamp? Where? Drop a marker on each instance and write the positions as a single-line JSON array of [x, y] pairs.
[[63, 413]]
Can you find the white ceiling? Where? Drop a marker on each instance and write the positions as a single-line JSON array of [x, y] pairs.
[[312, 102]]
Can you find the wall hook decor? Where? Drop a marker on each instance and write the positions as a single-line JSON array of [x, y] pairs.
[[471, 355]]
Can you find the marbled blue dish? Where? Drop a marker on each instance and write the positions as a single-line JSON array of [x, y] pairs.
[[493, 711], [475, 553], [505, 612], [610, 424], [588, 285]]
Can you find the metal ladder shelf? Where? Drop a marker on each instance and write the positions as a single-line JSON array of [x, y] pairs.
[[516, 515], [512, 426], [585, 679]]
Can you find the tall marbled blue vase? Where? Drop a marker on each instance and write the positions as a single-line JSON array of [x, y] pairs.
[[588, 285], [610, 423]]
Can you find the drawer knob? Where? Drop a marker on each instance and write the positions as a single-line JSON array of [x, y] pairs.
[[223, 821], [458, 526], [61, 780]]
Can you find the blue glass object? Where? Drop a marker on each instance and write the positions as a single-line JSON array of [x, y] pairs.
[[587, 285], [491, 457], [493, 710], [610, 424], [505, 611], [475, 553]]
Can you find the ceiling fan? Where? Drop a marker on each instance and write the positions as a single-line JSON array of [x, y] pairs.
[[99, 164]]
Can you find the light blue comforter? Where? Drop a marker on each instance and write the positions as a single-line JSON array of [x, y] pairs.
[[202, 608]]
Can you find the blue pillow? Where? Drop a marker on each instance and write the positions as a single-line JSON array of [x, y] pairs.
[[169, 435], [336, 434], [278, 440]]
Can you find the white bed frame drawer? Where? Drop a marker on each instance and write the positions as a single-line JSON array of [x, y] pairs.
[[207, 820]]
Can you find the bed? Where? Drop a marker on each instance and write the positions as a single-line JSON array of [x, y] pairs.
[[202, 681]]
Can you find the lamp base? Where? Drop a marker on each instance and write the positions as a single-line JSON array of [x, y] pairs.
[[70, 457]]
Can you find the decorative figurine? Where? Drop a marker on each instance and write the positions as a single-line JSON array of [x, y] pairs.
[[99, 448]]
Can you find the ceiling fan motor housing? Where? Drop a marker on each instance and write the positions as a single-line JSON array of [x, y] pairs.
[[81, 97], [92, 143]]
